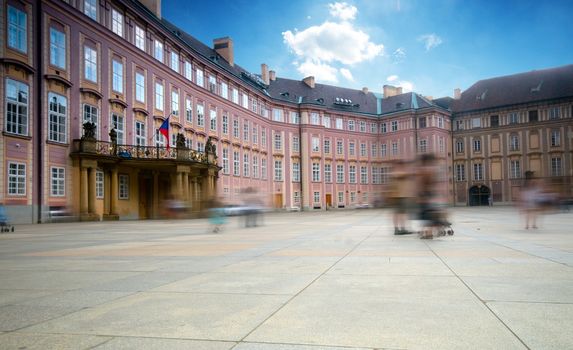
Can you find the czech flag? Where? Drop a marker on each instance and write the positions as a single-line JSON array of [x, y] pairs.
[[164, 129]]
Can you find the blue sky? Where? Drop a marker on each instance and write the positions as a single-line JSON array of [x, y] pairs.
[[431, 47]]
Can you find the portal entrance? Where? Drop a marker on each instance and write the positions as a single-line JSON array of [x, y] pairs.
[[479, 195]]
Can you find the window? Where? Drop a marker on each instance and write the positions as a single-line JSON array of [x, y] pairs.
[[16, 107], [90, 64], [264, 137], [339, 123], [295, 144], [225, 160], [440, 122], [16, 179], [352, 174], [246, 164], [556, 166], [327, 173], [339, 173], [123, 186], [173, 143], [477, 145], [212, 84], [326, 121], [514, 142], [225, 124], [375, 175], [460, 125], [476, 122], [363, 150], [158, 96], [255, 135], [188, 110], [362, 126], [327, 146], [341, 197], [116, 22], [352, 197], [139, 38], [255, 167], [296, 197], [17, 29], [351, 125], [159, 138], [383, 128], [58, 106], [174, 61], [277, 115], [187, 71], [91, 115], [236, 170], [513, 118], [117, 79], [235, 94], [175, 102], [254, 105], [245, 100], [57, 182], [158, 50], [278, 142], [363, 175], [213, 120], [57, 48], [295, 172], [236, 128], [139, 87], [140, 134], [422, 122], [99, 184], [374, 150], [478, 172], [200, 115], [555, 138], [459, 146], [383, 150], [199, 77], [394, 125], [90, 9], [395, 148], [423, 146], [494, 121], [554, 113], [339, 147], [351, 148], [316, 172], [533, 116], [314, 118], [118, 123], [384, 174], [316, 197], [315, 144], [278, 170], [246, 131], [460, 172], [224, 90], [373, 128], [514, 169]]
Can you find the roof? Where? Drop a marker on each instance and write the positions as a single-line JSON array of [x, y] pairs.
[[534, 86], [444, 102]]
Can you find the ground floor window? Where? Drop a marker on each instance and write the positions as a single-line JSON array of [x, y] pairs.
[[316, 198], [99, 184], [57, 181], [17, 179], [123, 186]]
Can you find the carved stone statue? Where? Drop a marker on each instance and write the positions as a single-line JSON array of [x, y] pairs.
[[180, 142], [113, 138], [89, 131], [210, 147]]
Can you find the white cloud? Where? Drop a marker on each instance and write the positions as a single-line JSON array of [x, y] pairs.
[[343, 11], [392, 78], [330, 42], [399, 55], [406, 86], [320, 71], [347, 74], [430, 40]]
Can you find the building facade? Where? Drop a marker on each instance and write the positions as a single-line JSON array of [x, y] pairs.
[[86, 85]]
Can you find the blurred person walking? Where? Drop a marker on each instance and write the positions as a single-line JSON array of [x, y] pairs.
[[530, 200], [429, 212], [401, 196]]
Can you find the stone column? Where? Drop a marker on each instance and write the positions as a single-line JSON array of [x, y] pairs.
[[84, 195], [92, 191], [179, 183], [155, 194], [113, 197], [185, 187], [107, 192]]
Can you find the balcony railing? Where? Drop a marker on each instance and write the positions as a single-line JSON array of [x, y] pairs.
[[109, 149]]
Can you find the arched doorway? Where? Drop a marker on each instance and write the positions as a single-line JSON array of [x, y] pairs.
[[479, 195]]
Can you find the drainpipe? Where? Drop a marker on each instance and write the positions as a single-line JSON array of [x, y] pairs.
[[300, 152], [38, 137], [454, 173]]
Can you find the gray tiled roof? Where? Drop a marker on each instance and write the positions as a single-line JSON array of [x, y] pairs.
[[537, 85]]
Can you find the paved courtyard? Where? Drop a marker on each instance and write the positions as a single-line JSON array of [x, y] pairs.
[[303, 281]]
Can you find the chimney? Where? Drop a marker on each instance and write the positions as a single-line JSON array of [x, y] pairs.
[[265, 73], [390, 90], [224, 47], [272, 75], [365, 90], [457, 94], [309, 81], [153, 6]]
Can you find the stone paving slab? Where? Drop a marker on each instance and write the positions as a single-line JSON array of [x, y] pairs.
[[28, 341], [122, 343]]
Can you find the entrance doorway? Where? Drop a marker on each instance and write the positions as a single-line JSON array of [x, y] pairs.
[[479, 195], [328, 200], [278, 200], [145, 197]]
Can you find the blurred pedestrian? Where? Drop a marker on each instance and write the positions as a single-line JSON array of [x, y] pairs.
[[530, 200], [401, 196], [217, 216], [429, 211]]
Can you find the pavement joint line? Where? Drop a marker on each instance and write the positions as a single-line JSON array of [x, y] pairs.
[[308, 285], [484, 303], [528, 302], [100, 344], [314, 345]]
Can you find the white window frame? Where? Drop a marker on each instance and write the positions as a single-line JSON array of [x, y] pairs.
[[514, 169], [189, 110], [99, 184], [225, 124], [158, 50], [123, 186], [89, 116], [57, 181], [117, 22], [278, 141], [175, 102], [16, 179], [316, 144], [188, 70], [213, 120], [394, 125], [117, 76], [199, 77], [140, 134], [117, 122], [17, 29], [139, 38], [90, 64], [246, 164], [315, 172], [57, 48], [339, 173], [140, 87], [460, 172], [159, 96], [236, 164], [174, 61], [328, 173], [17, 119], [200, 115], [278, 170], [57, 119], [295, 172], [352, 174], [225, 156]]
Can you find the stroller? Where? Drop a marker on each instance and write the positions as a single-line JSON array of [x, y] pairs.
[[4, 225], [438, 217]]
